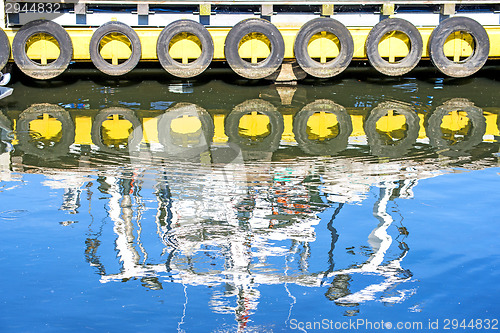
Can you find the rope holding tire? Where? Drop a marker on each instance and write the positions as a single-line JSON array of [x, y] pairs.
[[33, 69], [475, 136], [468, 66], [102, 116], [176, 68], [100, 62], [263, 68], [332, 67], [29, 145], [329, 146], [397, 148], [376, 35]]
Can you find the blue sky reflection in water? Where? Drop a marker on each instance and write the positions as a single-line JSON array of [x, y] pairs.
[[251, 233]]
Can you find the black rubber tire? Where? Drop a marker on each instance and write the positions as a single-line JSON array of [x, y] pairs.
[[406, 64], [102, 116], [332, 67], [29, 67], [180, 110], [176, 68], [327, 147], [103, 65], [28, 145], [4, 49], [401, 147], [468, 66], [263, 68], [268, 144], [435, 135]]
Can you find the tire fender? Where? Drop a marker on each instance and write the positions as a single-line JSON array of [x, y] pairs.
[[468, 66], [332, 67], [265, 67], [101, 63], [31, 68], [4, 49], [176, 68], [378, 32]]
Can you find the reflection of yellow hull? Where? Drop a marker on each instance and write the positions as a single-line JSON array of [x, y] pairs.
[[251, 125]]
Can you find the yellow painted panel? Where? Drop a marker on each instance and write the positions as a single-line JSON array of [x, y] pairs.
[[47, 127], [494, 35], [288, 135], [357, 125], [115, 47], [219, 134], [391, 123], [459, 45], [83, 128], [150, 130], [321, 126], [455, 121], [421, 133], [254, 125], [491, 124], [323, 46], [186, 125], [254, 46], [43, 47], [116, 128], [394, 45], [185, 47]]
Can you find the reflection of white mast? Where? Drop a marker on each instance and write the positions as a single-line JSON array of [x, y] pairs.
[[71, 183], [5, 148], [380, 241], [121, 213]]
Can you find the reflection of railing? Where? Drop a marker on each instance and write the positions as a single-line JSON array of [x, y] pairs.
[[322, 127]]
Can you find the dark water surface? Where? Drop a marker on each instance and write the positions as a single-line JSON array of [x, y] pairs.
[[147, 205]]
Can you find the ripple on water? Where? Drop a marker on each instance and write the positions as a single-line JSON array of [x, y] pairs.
[[13, 214]]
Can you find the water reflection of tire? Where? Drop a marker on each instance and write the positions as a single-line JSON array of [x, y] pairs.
[[5, 133], [475, 136], [102, 116], [401, 146], [166, 133], [328, 146], [269, 143], [29, 146]]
